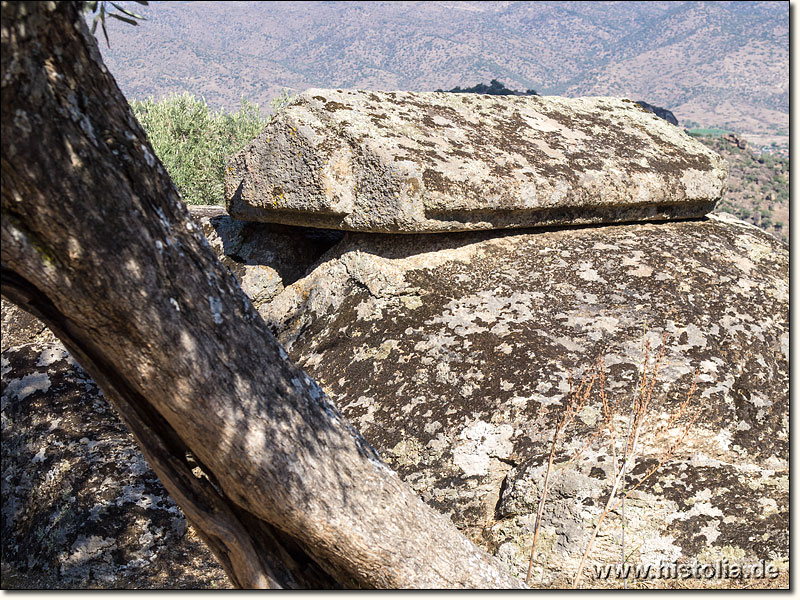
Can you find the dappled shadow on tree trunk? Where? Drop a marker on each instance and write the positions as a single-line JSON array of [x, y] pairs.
[[81, 507]]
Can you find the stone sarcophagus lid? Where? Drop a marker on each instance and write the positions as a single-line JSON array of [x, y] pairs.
[[412, 162]]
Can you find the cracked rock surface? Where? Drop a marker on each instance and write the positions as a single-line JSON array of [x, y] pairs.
[[264, 257], [452, 355]]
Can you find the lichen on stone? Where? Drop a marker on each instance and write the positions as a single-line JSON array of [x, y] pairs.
[[410, 162]]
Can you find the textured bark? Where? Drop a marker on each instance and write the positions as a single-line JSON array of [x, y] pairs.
[[96, 243]]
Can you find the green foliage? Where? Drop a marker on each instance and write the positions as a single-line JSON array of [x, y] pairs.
[[715, 131], [759, 189], [194, 142], [281, 101], [767, 159]]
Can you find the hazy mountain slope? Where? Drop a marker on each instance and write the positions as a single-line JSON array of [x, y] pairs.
[[723, 64], [719, 62], [758, 185]]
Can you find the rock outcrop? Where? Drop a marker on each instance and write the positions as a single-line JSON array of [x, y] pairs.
[[663, 113], [413, 162], [452, 353], [264, 257], [735, 140]]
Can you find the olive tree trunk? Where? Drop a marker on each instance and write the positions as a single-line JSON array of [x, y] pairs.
[[96, 243]]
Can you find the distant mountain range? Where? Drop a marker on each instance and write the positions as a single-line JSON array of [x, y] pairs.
[[718, 64]]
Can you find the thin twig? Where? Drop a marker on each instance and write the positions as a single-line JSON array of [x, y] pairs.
[[640, 406], [617, 483], [636, 391], [540, 511], [674, 446], [575, 401]]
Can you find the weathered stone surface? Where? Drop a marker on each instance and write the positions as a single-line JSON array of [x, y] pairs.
[[264, 257], [451, 354], [413, 162], [80, 506]]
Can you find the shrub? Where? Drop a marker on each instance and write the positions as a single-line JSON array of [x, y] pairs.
[[193, 142]]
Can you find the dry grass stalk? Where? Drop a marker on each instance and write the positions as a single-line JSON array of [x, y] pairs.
[[641, 402], [637, 392], [595, 378], [639, 411], [575, 402], [609, 411], [670, 452]]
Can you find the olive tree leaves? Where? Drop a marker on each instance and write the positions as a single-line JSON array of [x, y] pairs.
[[124, 15]]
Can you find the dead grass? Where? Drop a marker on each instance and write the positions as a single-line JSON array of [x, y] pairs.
[[639, 413]]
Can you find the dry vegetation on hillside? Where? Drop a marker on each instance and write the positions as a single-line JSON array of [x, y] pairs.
[[758, 185], [722, 64]]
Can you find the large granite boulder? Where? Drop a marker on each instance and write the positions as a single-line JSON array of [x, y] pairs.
[[412, 162], [452, 355]]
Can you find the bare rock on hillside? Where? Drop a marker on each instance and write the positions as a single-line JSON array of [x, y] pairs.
[[452, 355], [407, 162], [664, 113], [735, 140]]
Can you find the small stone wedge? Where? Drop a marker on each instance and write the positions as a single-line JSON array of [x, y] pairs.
[[413, 162]]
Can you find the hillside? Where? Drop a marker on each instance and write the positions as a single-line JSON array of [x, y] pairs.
[[758, 185], [721, 64]]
